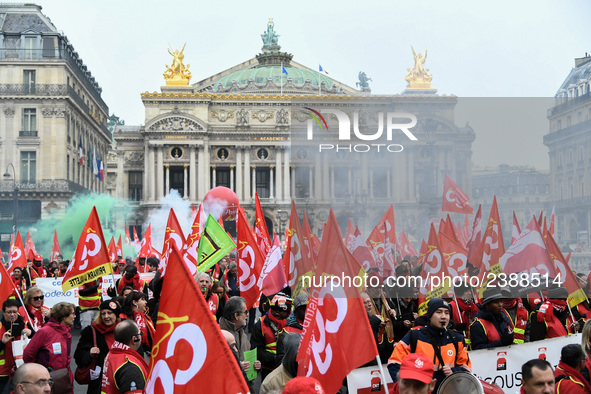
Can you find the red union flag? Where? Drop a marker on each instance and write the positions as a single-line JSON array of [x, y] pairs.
[[515, 231], [55, 248], [360, 251], [454, 199], [250, 262], [17, 256], [146, 245], [119, 247], [433, 267], [30, 250], [172, 235], [112, 251], [296, 262], [337, 337], [528, 256], [260, 229], [492, 246], [190, 355], [91, 259], [404, 245], [6, 284]]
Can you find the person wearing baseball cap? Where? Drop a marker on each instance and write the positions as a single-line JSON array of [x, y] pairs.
[[491, 327], [36, 269], [415, 376], [266, 330], [446, 348]]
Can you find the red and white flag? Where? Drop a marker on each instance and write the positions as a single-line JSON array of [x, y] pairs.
[[296, 261], [515, 231], [454, 255], [272, 278], [337, 337], [404, 245], [119, 247], [528, 256], [91, 259], [190, 354], [6, 284], [127, 238], [261, 233], [454, 199], [250, 262], [360, 251], [475, 234], [112, 251], [55, 247], [552, 222], [192, 242], [308, 246], [136, 241], [146, 245], [17, 254], [173, 235], [433, 266], [492, 246]]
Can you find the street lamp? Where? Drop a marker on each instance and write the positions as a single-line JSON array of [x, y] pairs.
[[6, 176]]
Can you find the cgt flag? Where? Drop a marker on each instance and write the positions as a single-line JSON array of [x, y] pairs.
[[17, 254], [454, 199], [190, 355], [214, 244], [250, 262], [55, 248], [91, 259]]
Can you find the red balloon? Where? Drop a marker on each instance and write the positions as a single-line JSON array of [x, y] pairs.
[[221, 201]]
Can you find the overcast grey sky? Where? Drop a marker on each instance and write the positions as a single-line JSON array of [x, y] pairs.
[[504, 48]]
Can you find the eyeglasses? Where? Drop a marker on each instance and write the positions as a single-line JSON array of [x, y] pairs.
[[41, 383], [244, 312], [38, 298]]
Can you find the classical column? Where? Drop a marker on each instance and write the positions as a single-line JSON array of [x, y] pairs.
[[239, 191], [254, 181], [160, 173], [388, 193], [332, 182], [206, 169], [292, 178], [278, 175], [167, 179], [232, 178], [193, 173], [370, 183], [200, 174], [185, 182], [247, 193], [271, 194], [310, 183], [317, 191], [286, 179], [151, 174], [213, 174], [326, 183]]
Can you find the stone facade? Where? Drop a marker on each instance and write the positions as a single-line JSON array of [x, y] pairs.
[[49, 105]]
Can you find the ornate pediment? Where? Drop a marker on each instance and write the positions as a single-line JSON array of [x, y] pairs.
[[176, 123]]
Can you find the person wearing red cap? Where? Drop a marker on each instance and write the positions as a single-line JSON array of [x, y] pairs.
[[303, 384], [36, 269], [415, 376]]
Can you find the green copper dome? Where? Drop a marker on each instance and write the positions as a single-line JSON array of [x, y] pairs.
[[260, 75]]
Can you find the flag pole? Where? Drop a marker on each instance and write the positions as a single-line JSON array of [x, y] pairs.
[[319, 79], [281, 81], [382, 372]]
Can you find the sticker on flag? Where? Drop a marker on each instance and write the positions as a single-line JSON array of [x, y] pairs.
[[214, 244]]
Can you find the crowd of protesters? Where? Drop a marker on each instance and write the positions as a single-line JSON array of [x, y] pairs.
[[117, 332]]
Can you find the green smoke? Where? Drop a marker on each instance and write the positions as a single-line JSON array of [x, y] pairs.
[[112, 212]]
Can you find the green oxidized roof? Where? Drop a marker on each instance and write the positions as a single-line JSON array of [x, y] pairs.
[[261, 74]]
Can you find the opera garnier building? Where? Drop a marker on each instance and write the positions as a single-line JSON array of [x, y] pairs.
[[287, 131]]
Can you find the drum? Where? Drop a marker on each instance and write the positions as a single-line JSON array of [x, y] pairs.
[[460, 382]]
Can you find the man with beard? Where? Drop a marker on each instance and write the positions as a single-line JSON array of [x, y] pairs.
[[61, 269], [204, 283], [491, 327]]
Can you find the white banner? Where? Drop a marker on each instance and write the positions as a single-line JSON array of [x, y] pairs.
[[367, 380], [52, 289], [500, 365]]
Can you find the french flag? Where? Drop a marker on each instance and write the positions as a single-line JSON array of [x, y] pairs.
[[321, 69], [80, 152]]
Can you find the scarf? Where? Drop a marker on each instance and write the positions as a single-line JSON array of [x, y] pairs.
[[468, 308], [546, 311], [107, 331], [38, 320], [133, 282], [559, 305], [145, 325]]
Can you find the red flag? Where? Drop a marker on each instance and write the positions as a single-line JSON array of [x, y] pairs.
[[308, 238], [576, 295], [433, 267], [146, 245], [55, 248], [261, 233], [387, 223], [250, 262], [190, 355], [350, 232], [127, 238], [30, 250], [454, 255], [112, 251], [515, 231], [297, 263], [17, 254], [528, 256], [6, 285], [475, 234], [448, 229], [466, 231], [422, 252], [119, 247], [491, 247], [337, 337], [136, 241], [272, 278], [405, 246], [361, 252], [173, 233], [91, 259], [454, 199], [192, 243], [540, 219]]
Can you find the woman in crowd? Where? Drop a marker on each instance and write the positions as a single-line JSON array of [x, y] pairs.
[[37, 313], [51, 345], [12, 328], [134, 308], [86, 351], [219, 289]]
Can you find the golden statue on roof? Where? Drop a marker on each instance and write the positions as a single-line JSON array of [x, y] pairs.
[[177, 74], [419, 77]]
